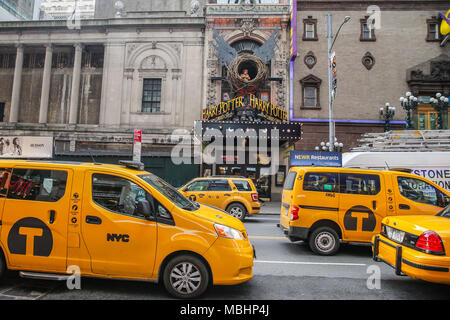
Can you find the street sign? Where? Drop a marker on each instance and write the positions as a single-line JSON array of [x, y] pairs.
[[315, 158], [137, 145]]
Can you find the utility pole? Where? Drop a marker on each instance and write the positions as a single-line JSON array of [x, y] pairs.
[[330, 102]]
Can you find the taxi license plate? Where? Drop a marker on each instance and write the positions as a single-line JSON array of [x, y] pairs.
[[395, 235]]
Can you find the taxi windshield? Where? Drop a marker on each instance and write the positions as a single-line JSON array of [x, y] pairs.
[[169, 192], [445, 212]]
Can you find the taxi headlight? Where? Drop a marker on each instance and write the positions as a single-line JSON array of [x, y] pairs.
[[227, 232]]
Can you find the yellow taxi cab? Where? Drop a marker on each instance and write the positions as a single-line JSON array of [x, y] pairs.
[[115, 221], [326, 206], [417, 246], [233, 194]]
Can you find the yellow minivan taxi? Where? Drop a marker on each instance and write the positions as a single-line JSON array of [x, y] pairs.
[[325, 206], [417, 246], [233, 194], [115, 221]]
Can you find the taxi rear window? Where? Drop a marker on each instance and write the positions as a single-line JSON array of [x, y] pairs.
[[290, 180], [242, 185]]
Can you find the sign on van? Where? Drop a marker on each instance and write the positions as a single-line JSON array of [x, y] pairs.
[[440, 176], [26, 147], [315, 158]]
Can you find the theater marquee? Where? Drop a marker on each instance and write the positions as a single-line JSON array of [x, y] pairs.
[[250, 107]]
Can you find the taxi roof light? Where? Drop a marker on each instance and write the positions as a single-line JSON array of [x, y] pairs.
[[132, 164]]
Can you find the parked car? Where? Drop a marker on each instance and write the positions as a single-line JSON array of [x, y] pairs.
[[234, 194]]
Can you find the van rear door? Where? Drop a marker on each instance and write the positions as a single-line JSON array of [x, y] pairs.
[[287, 197]]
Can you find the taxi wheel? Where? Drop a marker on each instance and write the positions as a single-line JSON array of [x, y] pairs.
[[324, 241], [237, 210], [186, 277]]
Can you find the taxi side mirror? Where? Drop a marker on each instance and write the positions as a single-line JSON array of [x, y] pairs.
[[144, 208]]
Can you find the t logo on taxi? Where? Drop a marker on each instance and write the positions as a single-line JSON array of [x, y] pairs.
[[30, 236], [360, 218]]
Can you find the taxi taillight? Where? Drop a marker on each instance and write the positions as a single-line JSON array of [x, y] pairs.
[[430, 242], [255, 197], [294, 213]]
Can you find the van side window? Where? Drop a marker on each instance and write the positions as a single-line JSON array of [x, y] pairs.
[[199, 185], [364, 184], [117, 194], [5, 177], [242, 185], [417, 190], [37, 185], [321, 181], [219, 185], [290, 180]]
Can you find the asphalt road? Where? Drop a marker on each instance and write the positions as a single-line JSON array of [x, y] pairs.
[[282, 271]]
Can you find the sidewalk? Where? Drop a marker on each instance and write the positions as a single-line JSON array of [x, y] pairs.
[[271, 208]]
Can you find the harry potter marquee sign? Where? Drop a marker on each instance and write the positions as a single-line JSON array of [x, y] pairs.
[[245, 108]]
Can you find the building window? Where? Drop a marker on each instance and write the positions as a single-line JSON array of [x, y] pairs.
[[433, 33], [310, 29], [309, 97], [367, 30], [151, 99], [310, 92]]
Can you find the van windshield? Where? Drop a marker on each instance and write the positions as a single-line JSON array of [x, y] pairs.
[[170, 192]]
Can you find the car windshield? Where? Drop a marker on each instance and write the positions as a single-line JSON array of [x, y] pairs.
[[444, 212], [169, 192]]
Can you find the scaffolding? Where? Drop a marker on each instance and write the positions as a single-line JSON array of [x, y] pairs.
[[405, 141]]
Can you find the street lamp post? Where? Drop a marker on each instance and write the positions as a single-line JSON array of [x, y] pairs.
[[387, 113], [440, 104], [338, 146], [331, 42], [409, 103]]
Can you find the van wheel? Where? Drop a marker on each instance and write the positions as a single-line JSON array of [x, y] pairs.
[[2, 266], [186, 277], [324, 241], [237, 210]]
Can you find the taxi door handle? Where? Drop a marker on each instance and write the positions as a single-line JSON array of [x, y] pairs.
[[93, 220], [51, 220], [403, 206], [374, 205], [227, 195]]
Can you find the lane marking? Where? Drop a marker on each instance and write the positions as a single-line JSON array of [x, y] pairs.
[[266, 237], [313, 263]]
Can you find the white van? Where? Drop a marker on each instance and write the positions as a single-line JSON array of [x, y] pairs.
[[434, 166]]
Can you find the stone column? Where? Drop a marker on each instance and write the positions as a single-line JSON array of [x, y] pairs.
[[17, 84], [75, 92], [45, 93]]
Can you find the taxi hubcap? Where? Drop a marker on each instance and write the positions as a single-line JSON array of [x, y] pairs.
[[185, 278], [236, 212], [325, 242]]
